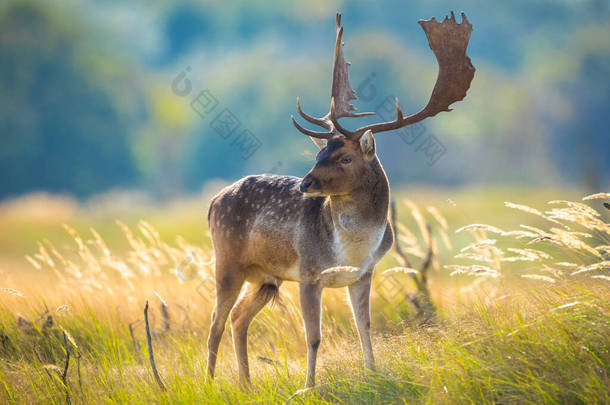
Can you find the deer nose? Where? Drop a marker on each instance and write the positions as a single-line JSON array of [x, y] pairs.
[[305, 184]]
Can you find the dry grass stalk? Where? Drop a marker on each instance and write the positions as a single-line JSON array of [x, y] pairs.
[[12, 292], [597, 196], [136, 344], [480, 227], [539, 277], [64, 375], [151, 355], [563, 241], [426, 310]]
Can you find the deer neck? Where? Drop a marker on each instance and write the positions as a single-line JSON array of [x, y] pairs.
[[365, 207]]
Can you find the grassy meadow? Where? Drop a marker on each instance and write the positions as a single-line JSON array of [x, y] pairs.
[[521, 292]]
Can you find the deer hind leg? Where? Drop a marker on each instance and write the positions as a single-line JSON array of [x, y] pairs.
[[228, 286], [250, 303], [359, 294], [311, 307]]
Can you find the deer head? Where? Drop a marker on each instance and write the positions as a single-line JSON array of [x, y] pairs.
[[340, 166], [346, 156]]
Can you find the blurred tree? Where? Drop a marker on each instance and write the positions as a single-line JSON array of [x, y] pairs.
[[582, 140], [185, 25], [60, 129], [583, 143], [86, 102]]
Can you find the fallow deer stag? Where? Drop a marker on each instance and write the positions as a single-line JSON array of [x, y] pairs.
[[328, 229]]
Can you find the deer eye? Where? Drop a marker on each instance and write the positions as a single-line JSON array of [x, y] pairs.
[[346, 161]]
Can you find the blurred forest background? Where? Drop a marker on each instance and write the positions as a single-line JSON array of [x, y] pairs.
[[87, 103], [109, 114]]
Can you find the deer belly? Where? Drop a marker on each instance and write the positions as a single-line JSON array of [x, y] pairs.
[[273, 253]]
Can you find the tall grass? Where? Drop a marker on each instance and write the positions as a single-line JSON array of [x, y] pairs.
[[533, 330], [575, 242]]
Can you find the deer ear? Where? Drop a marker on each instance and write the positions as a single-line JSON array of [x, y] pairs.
[[367, 145], [320, 143]]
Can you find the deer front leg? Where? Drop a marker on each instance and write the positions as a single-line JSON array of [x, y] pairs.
[[311, 308], [359, 294]]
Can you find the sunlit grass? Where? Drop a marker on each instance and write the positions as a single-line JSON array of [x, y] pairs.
[[504, 339]]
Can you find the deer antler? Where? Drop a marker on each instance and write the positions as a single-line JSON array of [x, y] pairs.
[[448, 40], [341, 91]]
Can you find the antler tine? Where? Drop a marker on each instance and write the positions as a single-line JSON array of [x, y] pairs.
[[315, 134], [333, 118], [358, 115], [398, 111], [448, 40], [316, 121]]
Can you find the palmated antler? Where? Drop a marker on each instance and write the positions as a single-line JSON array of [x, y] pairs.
[[447, 39], [341, 92]]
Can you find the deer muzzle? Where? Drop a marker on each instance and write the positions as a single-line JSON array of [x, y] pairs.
[[310, 184]]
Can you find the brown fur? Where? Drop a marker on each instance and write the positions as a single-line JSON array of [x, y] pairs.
[[265, 230]]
